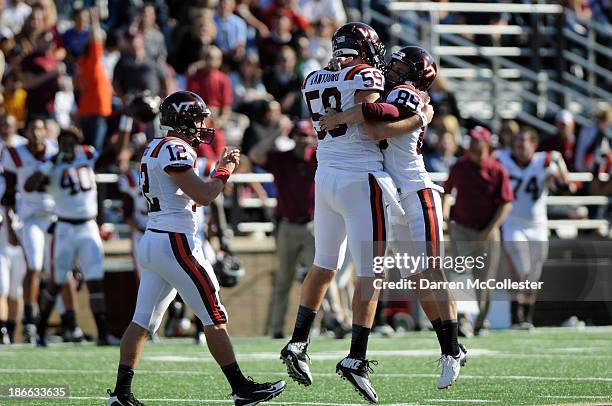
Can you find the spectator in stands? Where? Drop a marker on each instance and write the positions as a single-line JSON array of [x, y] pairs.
[[112, 53], [593, 151], [75, 39], [284, 83], [442, 98], [320, 43], [483, 199], [509, 129], [563, 140], [231, 30], [33, 27], [281, 36], [444, 156], [317, 10], [136, 72], [41, 71], [14, 14], [206, 78], [190, 40], [95, 89], [249, 10], [14, 96], [293, 172], [155, 43], [306, 63], [265, 121], [246, 81], [289, 9]]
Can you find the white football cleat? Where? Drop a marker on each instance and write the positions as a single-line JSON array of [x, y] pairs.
[[451, 365]]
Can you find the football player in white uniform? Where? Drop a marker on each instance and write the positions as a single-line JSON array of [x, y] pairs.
[[170, 256], [12, 261], [410, 73], [76, 238], [348, 200], [34, 209], [525, 231]]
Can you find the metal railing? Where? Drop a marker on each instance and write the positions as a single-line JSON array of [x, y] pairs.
[[268, 227], [546, 85]]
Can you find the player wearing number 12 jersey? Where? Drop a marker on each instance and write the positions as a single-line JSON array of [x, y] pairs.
[[171, 257], [348, 199]]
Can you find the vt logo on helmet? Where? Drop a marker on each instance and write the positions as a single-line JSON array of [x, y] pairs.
[[411, 65], [183, 113]]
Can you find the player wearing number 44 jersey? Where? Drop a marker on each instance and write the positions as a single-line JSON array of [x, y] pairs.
[[418, 231], [169, 255], [524, 231], [351, 195], [75, 236]]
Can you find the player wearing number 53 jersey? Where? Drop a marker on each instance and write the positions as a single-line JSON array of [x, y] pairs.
[[169, 254], [75, 237], [351, 192], [525, 231]]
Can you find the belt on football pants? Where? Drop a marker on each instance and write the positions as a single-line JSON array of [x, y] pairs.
[[73, 221]]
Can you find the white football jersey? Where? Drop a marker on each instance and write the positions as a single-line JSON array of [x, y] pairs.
[[128, 184], [403, 157], [73, 186], [530, 187], [20, 161], [346, 147], [170, 209]]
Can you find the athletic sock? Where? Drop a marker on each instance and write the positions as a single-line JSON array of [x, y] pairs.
[[234, 376], [125, 373], [528, 312], [437, 326], [101, 325], [69, 320], [303, 323], [28, 314], [450, 332], [516, 313], [11, 325], [359, 341]]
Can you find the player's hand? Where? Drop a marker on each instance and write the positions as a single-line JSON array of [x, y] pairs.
[[429, 112], [230, 159], [329, 121]]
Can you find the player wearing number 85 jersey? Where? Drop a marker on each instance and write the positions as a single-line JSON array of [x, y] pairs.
[[169, 254]]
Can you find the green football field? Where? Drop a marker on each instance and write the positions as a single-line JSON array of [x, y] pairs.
[[546, 366]]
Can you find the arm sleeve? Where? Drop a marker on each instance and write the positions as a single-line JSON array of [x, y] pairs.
[[384, 112]]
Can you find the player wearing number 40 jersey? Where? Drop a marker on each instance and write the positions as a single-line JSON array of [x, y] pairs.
[[525, 231], [418, 231], [351, 195], [171, 257], [75, 236]]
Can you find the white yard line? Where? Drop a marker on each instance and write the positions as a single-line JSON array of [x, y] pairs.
[[462, 400], [278, 373], [574, 397], [207, 401]]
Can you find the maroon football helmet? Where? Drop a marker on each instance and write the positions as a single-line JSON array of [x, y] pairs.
[[359, 39], [411, 65], [183, 113]]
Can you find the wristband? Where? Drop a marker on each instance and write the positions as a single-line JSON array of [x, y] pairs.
[[423, 118], [125, 124], [222, 174]]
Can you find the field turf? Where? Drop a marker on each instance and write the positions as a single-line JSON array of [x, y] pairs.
[[546, 366]]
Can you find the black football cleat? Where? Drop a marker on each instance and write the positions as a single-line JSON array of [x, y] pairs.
[[294, 356], [121, 400], [253, 393], [356, 371]]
